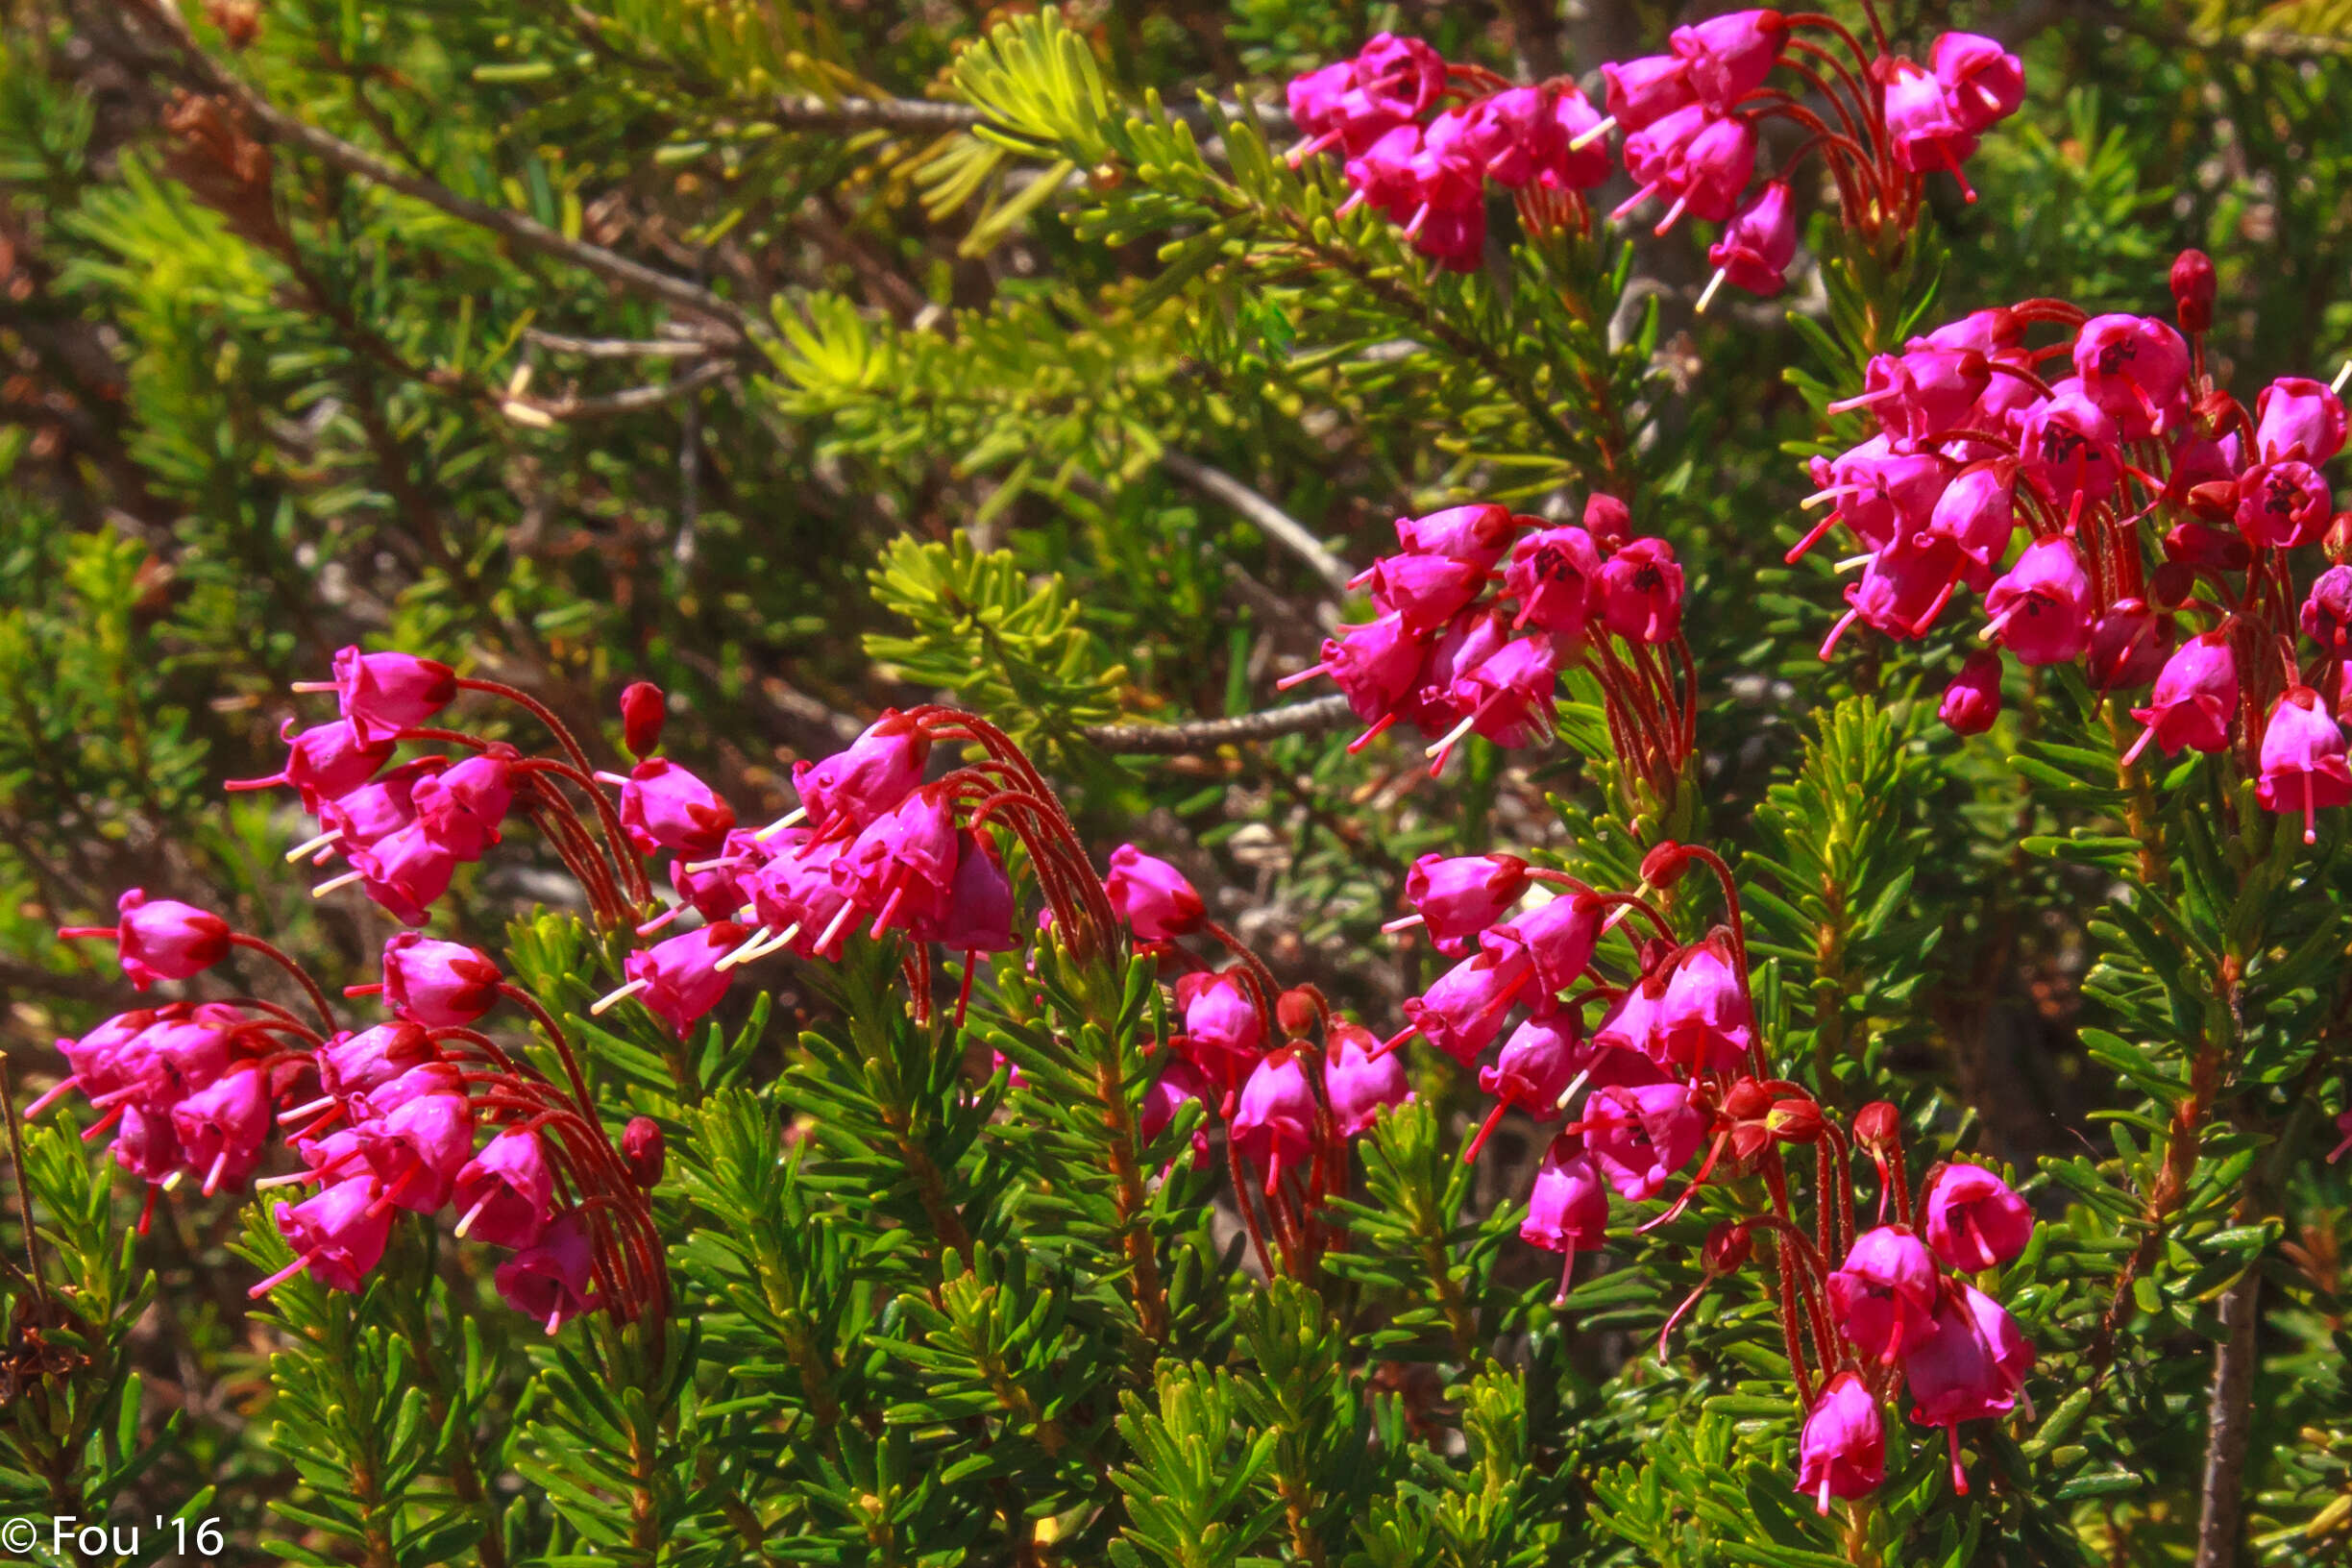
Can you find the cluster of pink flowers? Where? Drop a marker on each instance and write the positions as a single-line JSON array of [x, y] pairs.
[[2144, 496], [1423, 137], [1677, 1063], [1481, 610]]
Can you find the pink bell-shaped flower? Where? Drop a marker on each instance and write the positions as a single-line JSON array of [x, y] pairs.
[[1882, 493], [96, 1060], [2327, 611], [1568, 1207], [1654, 153], [1974, 1221], [1714, 171], [977, 915], [642, 1153], [162, 939], [1555, 575], [1642, 91], [1467, 642], [717, 887], [1968, 1368], [1977, 513], [665, 807], [852, 787], [1982, 82], [2129, 645], [1465, 1009], [338, 1236], [1883, 1299], [2297, 417], [1632, 1025], [441, 985], [420, 1081], [406, 871], [375, 811], [417, 1150], [680, 980], [1152, 896], [504, 1193], [222, 1128], [1359, 1080], [1921, 393], [382, 694], [1642, 1135], [1403, 76], [147, 1142], [322, 762], [464, 804], [2136, 368], [2041, 609], [1641, 592], [1580, 159], [357, 1063], [1478, 534], [901, 864], [1927, 135], [1730, 56], [1843, 1450], [1988, 332], [1903, 588], [1533, 1072], [1383, 175], [1558, 935], [2282, 506], [1373, 664], [1274, 1126], [1509, 696], [1460, 895], [1757, 244], [794, 891], [1223, 1033], [1514, 135], [1972, 701], [2069, 447], [2302, 760], [550, 1281], [1425, 591], [1703, 1023], [2195, 700]]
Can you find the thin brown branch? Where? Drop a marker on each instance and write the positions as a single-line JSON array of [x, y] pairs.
[[1323, 714]]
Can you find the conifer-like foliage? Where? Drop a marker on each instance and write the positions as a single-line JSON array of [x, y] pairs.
[[1339, 854]]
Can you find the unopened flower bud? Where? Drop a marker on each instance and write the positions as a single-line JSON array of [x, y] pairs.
[[643, 708], [1727, 1248], [1663, 867], [1746, 1100], [1608, 519], [1878, 1125], [2338, 540], [2192, 290], [1295, 1012], [2171, 584], [641, 1151], [1795, 1121]]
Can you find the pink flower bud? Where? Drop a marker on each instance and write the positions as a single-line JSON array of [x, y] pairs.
[[1974, 1222], [2282, 506], [1843, 1451], [1554, 575], [2041, 610], [1360, 1085], [1641, 1136], [2129, 645], [504, 1194], [1568, 1209], [1274, 1125], [549, 1282], [1465, 1008], [2327, 612], [2194, 699], [1641, 592], [682, 978], [1538, 1064], [1730, 56], [1223, 1034], [1459, 897], [1151, 895], [1972, 701], [162, 939], [339, 1234], [852, 787], [351, 1064], [643, 1153], [1642, 91], [1982, 82], [1478, 533], [1426, 591], [406, 870], [665, 807], [1703, 1023], [2302, 760], [382, 694], [2297, 417], [222, 1128], [322, 762], [1759, 242], [2192, 290], [463, 805], [417, 1149], [2135, 368], [1883, 1300], [643, 709]]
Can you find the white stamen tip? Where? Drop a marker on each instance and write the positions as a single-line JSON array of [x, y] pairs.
[[333, 883], [313, 846], [614, 998], [798, 814], [1706, 295]]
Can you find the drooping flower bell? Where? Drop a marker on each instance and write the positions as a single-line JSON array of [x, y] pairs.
[[680, 980], [1883, 1299], [160, 939], [1512, 134], [1882, 493], [1903, 588], [223, 1127], [1974, 1221], [350, 1065], [2300, 418], [902, 864], [1555, 575], [1703, 1023], [1968, 1368], [1642, 1135], [550, 1281], [2195, 700], [2327, 611], [1642, 91], [1460, 895], [1478, 533], [376, 810], [504, 1193], [2041, 609], [1632, 1025], [2136, 368], [463, 805], [382, 694], [1274, 1126], [719, 887], [1465, 1008], [1579, 160], [665, 807], [2302, 760], [322, 762], [1568, 1209], [1641, 592], [1921, 392], [1180, 1083], [1973, 701], [146, 1143], [2283, 504], [1730, 56], [1843, 1450], [337, 1237], [1977, 513], [441, 985], [1359, 1080], [1508, 697], [977, 915], [2069, 447], [1223, 1034], [1152, 896], [1558, 935], [417, 1149], [1927, 133], [1982, 82], [852, 787], [1425, 591], [1534, 1071], [405, 872], [2130, 643], [1757, 244]]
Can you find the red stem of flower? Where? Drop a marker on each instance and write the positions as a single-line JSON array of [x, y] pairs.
[[318, 997]]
